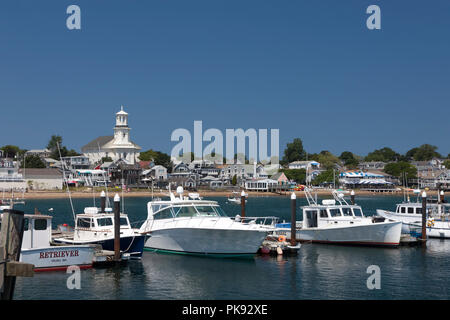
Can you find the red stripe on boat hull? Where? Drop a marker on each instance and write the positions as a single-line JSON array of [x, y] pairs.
[[88, 266]]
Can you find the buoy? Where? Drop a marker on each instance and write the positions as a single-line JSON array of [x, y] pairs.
[[279, 250], [265, 250], [281, 238]]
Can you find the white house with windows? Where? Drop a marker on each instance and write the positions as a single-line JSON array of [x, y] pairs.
[[314, 165], [118, 146]]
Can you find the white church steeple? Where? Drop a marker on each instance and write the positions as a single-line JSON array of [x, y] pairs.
[[121, 130]]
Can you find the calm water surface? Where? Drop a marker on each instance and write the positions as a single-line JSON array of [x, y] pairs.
[[318, 272]]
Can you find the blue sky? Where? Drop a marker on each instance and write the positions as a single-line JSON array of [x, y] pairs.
[[309, 68]]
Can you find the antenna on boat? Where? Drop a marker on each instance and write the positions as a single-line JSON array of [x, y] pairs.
[[108, 204], [64, 179]]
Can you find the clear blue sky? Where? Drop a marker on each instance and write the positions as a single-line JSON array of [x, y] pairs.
[[310, 68]]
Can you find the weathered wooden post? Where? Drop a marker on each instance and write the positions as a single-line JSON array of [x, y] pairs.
[[352, 197], [102, 202], [424, 217], [116, 228], [243, 204], [442, 196], [11, 235], [293, 218]]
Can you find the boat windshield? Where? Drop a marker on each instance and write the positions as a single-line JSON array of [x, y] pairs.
[[335, 212], [206, 211], [104, 222], [124, 222], [357, 212], [347, 212]]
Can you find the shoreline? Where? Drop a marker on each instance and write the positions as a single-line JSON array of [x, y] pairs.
[[31, 195]]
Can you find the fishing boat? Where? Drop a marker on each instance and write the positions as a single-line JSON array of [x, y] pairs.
[[236, 197], [410, 214], [200, 227], [39, 250], [335, 221], [96, 226]]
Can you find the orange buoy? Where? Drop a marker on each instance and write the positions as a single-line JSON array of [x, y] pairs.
[[281, 238]]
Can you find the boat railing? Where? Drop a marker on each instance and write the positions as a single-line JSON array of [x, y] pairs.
[[270, 221]]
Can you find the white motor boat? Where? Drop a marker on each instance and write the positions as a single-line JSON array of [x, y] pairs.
[[38, 249], [97, 227], [410, 214], [200, 227], [337, 222], [236, 198]]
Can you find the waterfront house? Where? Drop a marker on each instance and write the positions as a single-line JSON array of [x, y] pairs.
[[118, 146], [10, 177], [263, 185], [371, 165], [43, 179], [281, 179], [310, 165], [355, 179]]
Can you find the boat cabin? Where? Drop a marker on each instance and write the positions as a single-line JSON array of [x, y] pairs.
[[37, 231], [412, 208], [92, 223], [184, 209], [320, 215]]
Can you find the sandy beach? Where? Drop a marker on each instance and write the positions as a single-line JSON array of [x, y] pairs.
[[148, 194]]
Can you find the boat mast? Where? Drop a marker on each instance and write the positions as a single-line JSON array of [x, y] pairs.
[[64, 179]]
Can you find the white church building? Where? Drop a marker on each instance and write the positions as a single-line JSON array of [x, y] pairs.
[[118, 146]]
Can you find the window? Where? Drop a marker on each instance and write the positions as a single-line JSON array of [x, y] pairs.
[[104, 222], [83, 223], [357, 212], [206, 211], [124, 222], [410, 210], [187, 212], [323, 213], [40, 224], [164, 214], [403, 210], [220, 211], [335, 212], [25, 224], [347, 212]]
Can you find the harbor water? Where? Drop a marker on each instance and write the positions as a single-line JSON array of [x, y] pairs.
[[317, 272]]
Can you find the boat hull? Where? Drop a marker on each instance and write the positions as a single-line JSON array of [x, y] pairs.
[[134, 245], [55, 258], [375, 234], [204, 241], [410, 224]]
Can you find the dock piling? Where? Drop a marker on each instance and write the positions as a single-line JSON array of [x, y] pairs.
[[293, 218], [102, 202], [352, 197], [117, 228], [243, 204], [10, 247], [424, 218]]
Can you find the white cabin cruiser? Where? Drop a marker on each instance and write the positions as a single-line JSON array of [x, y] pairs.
[[337, 222], [38, 249], [189, 225], [96, 227], [410, 214]]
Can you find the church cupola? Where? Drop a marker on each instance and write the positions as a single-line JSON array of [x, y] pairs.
[[121, 118]]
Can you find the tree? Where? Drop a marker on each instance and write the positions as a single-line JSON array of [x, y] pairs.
[[294, 152], [10, 151], [234, 180], [329, 176], [326, 159], [159, 158], [423, 153], [297, 175], [32, 161], [349, 160], [53, 144], [385, 155], [447, 164], [401, 169], [106, 159]]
